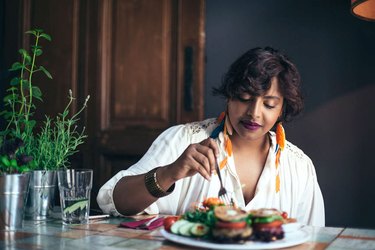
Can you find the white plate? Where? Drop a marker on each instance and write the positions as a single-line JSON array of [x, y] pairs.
[[291, 227], [290, 239]]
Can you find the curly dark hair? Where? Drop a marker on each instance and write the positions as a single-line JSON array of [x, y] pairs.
[[252, 73]]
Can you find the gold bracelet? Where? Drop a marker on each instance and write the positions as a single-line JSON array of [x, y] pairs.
[[153, 185]]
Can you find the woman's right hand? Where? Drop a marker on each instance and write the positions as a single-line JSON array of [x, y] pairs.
[[197, 158]]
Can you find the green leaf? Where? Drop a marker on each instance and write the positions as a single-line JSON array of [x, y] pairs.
[[66, 112], [28, 59], [36, 49], [38, 30], [24, 169], [10, 97], [38, 98], [32, 123], [33, 164], [12, 89], [16, 66], [38, 52], [23, 52], [37, 93], [45, 72], [15, 81], [5, 161], [13, 163], [31, 32], [46, 36]]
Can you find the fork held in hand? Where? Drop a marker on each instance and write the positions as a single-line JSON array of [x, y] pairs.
[[223, 195]]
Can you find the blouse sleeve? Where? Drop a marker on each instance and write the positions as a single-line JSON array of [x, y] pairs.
[[163, 151]]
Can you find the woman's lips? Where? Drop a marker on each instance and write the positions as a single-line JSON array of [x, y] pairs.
[[251, 125]]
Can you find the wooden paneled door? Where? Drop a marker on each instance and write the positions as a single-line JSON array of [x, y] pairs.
[[141, 61]]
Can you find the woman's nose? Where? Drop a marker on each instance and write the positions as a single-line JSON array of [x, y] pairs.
[[254, 108]]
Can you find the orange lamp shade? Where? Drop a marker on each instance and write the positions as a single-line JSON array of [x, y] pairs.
[[364, 9]]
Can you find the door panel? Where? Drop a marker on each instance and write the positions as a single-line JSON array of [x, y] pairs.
[[143, 74], [140, 63]]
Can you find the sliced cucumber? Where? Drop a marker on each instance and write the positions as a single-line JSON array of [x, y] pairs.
[[185, 229], [199, 229], [79, 204], [176, 226]]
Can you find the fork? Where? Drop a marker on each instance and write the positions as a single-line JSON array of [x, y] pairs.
[[223, 194], [149, 222]]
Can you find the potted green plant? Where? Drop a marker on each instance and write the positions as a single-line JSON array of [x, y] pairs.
[[50, 143], [57, 140], [14, 183]]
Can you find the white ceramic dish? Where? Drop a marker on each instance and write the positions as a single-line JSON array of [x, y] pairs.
[[291, 239], [291, 227]]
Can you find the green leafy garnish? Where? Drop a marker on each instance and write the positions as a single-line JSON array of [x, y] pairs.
[[206, 217], [79, 204]]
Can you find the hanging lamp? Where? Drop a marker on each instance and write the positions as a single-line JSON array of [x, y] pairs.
[[364, 9]]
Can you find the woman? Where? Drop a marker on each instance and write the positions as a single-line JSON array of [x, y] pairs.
[[259, 168]]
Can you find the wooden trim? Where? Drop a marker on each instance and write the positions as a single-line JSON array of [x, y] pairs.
[[26, 22], [201, 58], [167, 62], [179, 55], [193, 36], [105, 61], [75, 44]]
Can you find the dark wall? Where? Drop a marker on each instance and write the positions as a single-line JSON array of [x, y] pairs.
[[335, 53], [10, 22]]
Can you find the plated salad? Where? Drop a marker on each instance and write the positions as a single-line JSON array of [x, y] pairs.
[[214, 221]]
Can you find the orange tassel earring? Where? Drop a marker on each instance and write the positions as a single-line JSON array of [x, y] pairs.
[[227, 130], [280, 144], [226, 127]]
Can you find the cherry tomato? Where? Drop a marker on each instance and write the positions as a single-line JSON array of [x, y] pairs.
[[232, 225], [169, 221], [284, 215], [212, 201]]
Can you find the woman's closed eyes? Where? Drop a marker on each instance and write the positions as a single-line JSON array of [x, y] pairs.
[[270, 102]]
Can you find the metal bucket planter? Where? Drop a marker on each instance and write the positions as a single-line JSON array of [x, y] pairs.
[[13, 195], [41, 199]]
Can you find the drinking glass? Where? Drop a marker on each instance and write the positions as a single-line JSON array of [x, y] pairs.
[[75, 188]]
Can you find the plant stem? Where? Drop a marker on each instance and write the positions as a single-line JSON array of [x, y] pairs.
[[21, 84], [31, 74]]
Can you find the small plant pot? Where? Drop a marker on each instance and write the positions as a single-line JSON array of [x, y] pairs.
[[13, 195], [41, 198]]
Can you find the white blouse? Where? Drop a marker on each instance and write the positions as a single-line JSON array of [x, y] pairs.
[[299, 195]]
